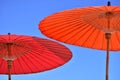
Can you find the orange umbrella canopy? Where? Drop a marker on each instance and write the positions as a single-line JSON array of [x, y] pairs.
[[95, 27], [85, 26]]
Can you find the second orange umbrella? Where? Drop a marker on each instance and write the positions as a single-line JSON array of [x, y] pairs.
[[91, 27]]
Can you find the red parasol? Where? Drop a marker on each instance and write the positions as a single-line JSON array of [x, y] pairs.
[[92, 27], [26, 54]]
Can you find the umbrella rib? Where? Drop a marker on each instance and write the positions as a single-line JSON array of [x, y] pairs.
[[117, 38], [47, 60], [118, 11], [30, 61], [60, 30], [103, 42], [106, 8], [21, 37], [1, 63], [91, 21], [70, 30], [54, 46], [58, 49], [52, 19], [117, 23], [17, 37], [79, 31], [26, 63], [17, 60], [89, 9], [83, 34], [60, 19], [4, 66], [15, 51], [3, 38], [21, 65], [34, 59], [1, 49], [74, 33], [95, 38], [57, 20], [115, 9], [19, 53], [88, 36], [61, 26], [38, 59], [13, 68], [65, 56], [95, 9], [42, 61]]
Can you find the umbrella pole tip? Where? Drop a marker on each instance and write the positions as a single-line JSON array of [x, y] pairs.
[[8, 33], [109, 3]]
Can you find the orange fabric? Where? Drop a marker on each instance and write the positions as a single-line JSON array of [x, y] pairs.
[[85, 26]]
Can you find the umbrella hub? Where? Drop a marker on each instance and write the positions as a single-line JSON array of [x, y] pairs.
[[109, 14], [106, 21], [108, 36], [9, 63], [9, 43], [13, 50]]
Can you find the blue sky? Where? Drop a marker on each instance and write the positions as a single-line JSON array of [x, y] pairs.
[[23, 17]]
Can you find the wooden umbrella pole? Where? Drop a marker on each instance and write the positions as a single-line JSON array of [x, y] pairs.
[[9, 63], [108, 36]]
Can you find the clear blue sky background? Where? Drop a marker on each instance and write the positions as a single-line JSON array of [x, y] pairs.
[[23, 17]]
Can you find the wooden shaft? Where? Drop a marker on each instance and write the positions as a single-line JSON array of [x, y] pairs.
[[108, 36], [107, 60], [9, 63]]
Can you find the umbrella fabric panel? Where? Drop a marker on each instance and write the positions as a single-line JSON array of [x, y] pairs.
[[56, 48], [43, 54], [77, 27]]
